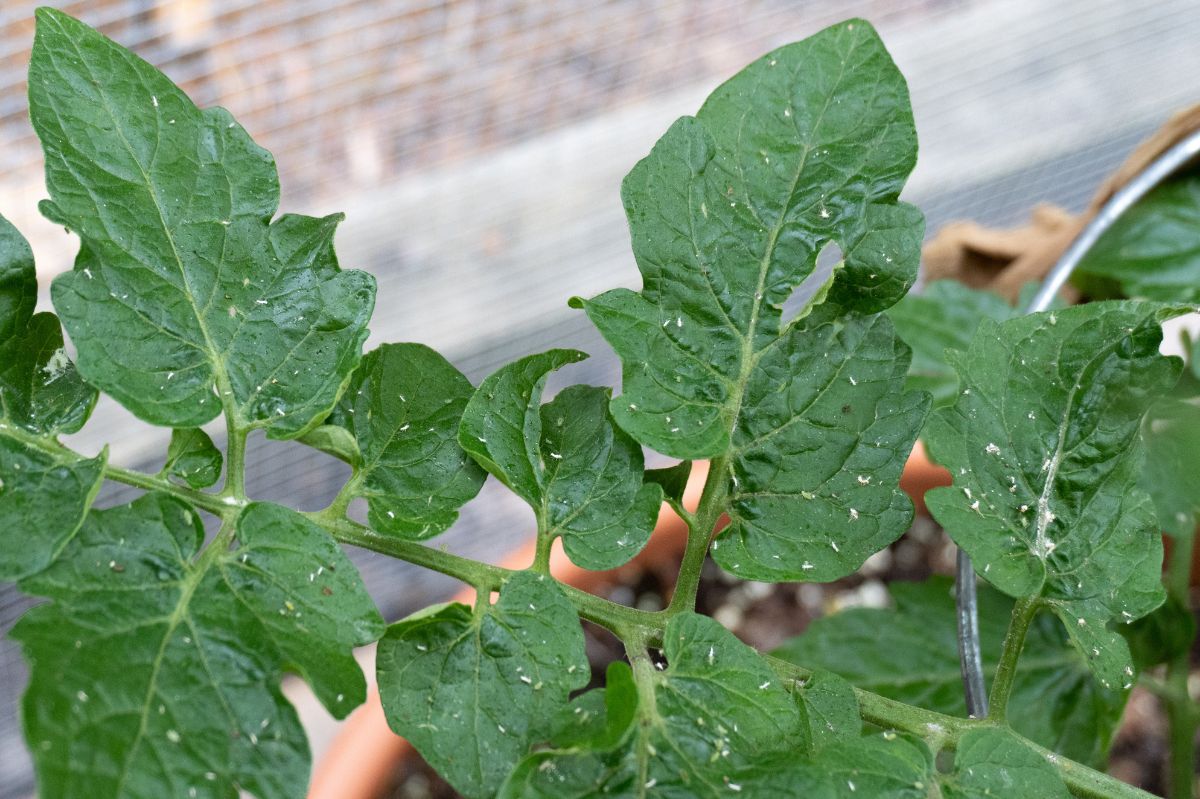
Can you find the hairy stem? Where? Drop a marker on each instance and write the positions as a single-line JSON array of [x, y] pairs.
[[1181, 715], [700, 530], [541, 557], [620, 619], [1006, 669], [235, 461], [213, 503]]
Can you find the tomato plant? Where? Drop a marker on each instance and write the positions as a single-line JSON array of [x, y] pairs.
[[156, 659]]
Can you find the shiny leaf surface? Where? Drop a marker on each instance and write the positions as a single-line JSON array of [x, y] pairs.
[[185, 297], [403, 406], [1043, 443], [474, 691], [176, 694]]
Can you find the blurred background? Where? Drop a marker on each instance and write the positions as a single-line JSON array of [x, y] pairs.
[[477, 150]]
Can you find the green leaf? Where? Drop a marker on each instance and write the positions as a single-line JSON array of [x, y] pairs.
[[175, 692], [886, 766], [1171, 475], [193, 458], [45, 490], [990, 763], [817, 467], [699, 725], [828, 710], [943, 316], [473, 692], [910, 654], [185, 297], [593, 494], [807, 147], [502, 424], [40, 391], [403, 407], [1161, 635], [1044, 447], [44, 495], [333, 440], [582, 475], [1153, 249], [672, 479]]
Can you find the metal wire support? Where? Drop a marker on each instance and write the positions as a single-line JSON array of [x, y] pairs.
[[1179, 156]]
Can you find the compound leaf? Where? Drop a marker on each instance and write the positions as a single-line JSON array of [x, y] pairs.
[[581, 474], [910, 654], [474, 691], [806, 147], [193, 458], [174, 694], [1043, 443], [45, 490], [403, 406], [185, 296]]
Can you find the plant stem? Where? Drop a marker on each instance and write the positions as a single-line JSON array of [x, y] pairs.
[[625, 621], [1006, 669], [1181, 715], [541, 557], [947, 730], [235, 460], [700, 530], [213, 503]]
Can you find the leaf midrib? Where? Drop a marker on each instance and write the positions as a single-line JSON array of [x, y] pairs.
[[224, 388], [187, 589], [749, 358]]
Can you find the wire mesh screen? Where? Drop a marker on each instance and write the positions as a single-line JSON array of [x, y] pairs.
[[477, 149]]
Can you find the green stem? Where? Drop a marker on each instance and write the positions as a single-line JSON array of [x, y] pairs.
[[213, 503], [1006, 669], [541, 557], [1181, 715], [700, 530], [644, 680], [889, 714], [625, 621], [235, 461], [640, 628]]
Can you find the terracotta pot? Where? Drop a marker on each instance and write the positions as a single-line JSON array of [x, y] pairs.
[[363, 758]]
